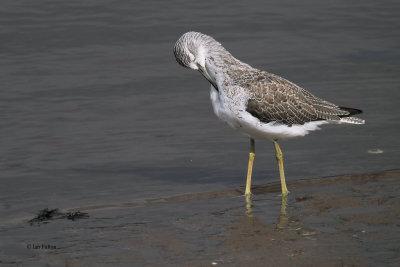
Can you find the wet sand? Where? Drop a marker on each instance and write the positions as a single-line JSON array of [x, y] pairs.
[[351, 220]]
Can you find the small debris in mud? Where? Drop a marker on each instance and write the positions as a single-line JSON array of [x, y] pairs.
[[45, 215], [375, 151], [303, 198], [76, 215]]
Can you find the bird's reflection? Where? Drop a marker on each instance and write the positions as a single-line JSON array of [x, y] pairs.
[[249, 205], [282, 219]]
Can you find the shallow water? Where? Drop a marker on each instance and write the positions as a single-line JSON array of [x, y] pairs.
[[96, 111]]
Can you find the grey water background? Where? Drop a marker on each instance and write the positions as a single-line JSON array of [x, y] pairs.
[[95, 110]]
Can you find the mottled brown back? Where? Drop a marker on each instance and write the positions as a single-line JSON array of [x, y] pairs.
[[273, 98]]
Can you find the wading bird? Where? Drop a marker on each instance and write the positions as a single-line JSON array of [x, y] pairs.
[[259, 104]]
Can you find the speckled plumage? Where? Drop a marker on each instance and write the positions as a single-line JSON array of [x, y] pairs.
[[257, 103], [273, 98]]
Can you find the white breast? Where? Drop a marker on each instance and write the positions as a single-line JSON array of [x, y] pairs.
[[225, 110]]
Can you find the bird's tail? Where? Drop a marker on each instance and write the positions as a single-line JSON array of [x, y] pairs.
[[351, 120], [352, 111]]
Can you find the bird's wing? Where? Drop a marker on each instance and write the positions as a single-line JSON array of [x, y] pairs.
[[273, 98]]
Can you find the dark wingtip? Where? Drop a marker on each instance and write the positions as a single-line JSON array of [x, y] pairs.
[[352, 111]]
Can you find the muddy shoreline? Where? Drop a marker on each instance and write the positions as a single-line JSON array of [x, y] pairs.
[[350, 220]]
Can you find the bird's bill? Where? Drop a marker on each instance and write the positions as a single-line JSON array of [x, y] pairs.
[[203, 72]]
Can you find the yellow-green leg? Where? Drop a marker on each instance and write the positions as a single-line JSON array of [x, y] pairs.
[[252, 154], [279, 158]]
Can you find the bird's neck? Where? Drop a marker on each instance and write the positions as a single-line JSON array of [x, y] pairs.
[[221, 65]]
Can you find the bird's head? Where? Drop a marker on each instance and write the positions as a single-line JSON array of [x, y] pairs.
[[191, 51]]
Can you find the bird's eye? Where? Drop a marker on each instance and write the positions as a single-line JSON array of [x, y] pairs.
[[192, 57]]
